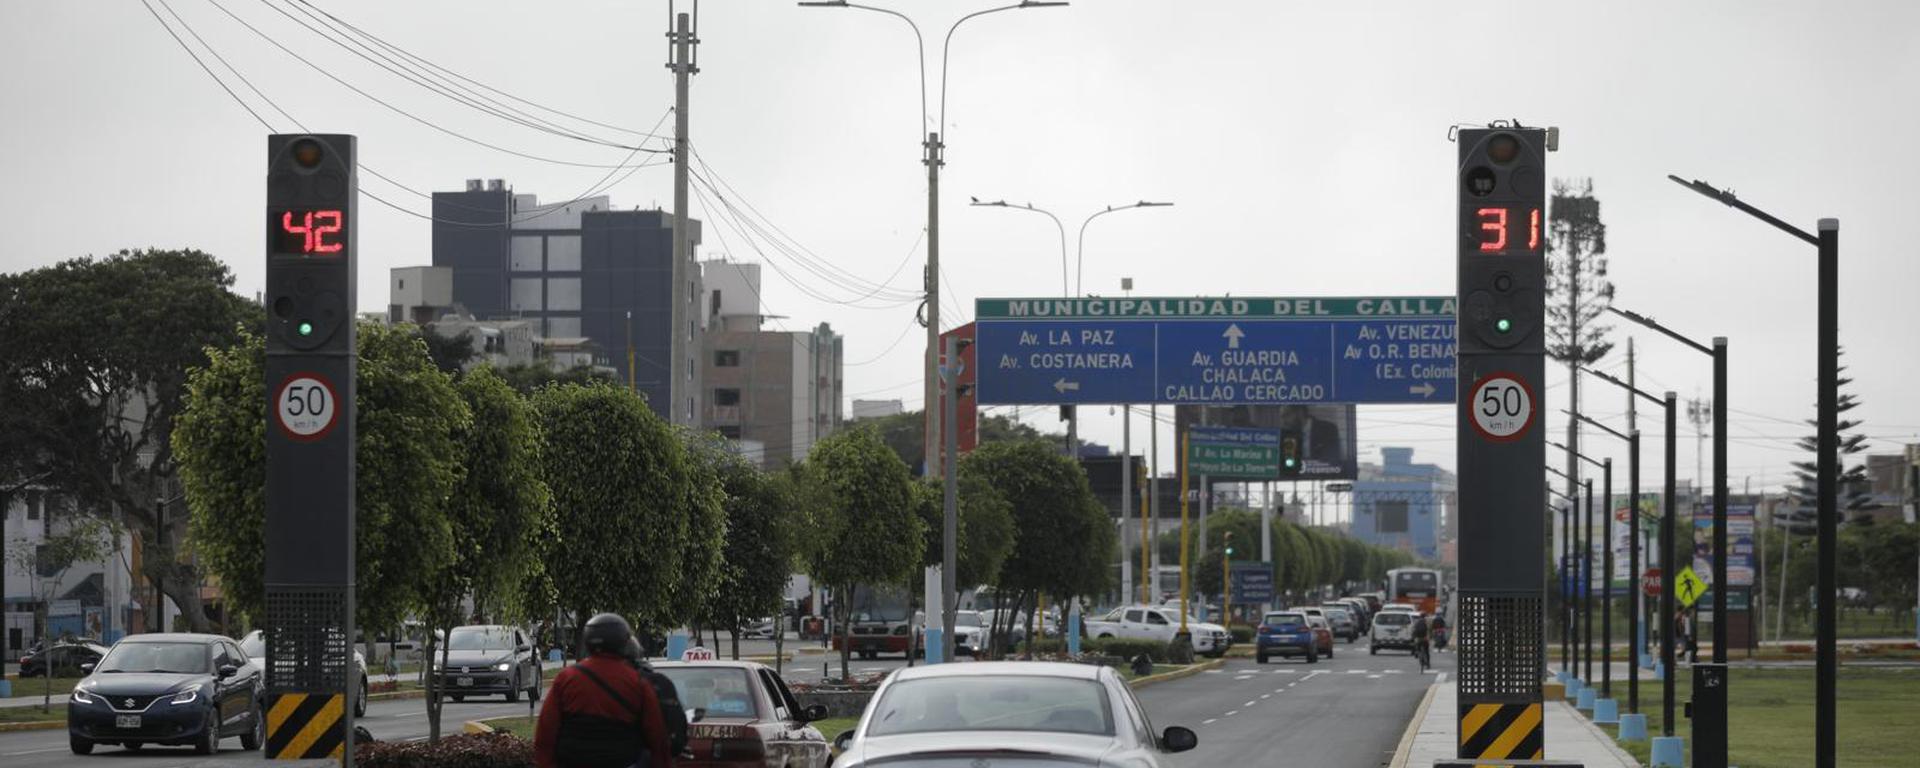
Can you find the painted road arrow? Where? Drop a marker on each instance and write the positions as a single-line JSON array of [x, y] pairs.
[[1233, 334]]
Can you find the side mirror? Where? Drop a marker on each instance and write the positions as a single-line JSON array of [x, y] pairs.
[[814, 713], [1178, 739], [842, 741], [228, 670], [87, 668], [696, 714]]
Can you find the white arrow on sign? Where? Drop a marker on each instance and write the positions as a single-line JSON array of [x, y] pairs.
[[1425, 389], [1233, 335], [1063, 386]]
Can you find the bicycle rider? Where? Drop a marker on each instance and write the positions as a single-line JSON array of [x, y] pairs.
[[1421, 638]]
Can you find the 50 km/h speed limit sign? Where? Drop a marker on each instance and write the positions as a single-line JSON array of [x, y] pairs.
[[306, 406], [1502, 406]]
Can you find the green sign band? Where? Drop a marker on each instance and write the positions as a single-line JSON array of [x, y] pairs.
[[1252, 307]]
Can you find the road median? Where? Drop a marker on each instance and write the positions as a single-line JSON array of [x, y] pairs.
[[1189, 671]]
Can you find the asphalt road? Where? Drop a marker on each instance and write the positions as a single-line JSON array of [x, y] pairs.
[[1347, 711], [397, 720]]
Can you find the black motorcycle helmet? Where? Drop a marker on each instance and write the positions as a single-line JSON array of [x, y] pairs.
[[608, 633]]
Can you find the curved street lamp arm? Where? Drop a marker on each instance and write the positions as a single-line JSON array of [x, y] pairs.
[[920, 43], [1064, 286], [1648, 323], [1080, 248], [948, 45]]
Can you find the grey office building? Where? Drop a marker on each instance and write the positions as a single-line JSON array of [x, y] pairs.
[[578, 269]]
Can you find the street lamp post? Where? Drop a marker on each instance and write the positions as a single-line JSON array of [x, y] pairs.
[[1568, 546], [1670, 402], [1633, 556], [1827, 462], [1606, 567], [931, 445]]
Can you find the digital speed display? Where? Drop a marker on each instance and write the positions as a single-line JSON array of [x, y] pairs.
[[316, 232], [1506, 230]]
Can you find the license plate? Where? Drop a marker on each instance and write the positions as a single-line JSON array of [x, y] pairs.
[[126, 721], [464, 682]]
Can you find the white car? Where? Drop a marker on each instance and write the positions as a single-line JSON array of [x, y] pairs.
[[1146, 622], [255, 644], [1012, 713]]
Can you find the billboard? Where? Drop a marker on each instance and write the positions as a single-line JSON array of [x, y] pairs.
[[1328, 432], [1741, 547]]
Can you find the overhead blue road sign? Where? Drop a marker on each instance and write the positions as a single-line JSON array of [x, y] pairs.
[[1215, 351]]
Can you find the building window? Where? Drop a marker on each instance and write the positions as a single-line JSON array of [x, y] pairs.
[[730, 432], [563, 253], [526, 253], [526, 294], [1390, 516], [726, 358], [726, 397], [715, 308], [563, 293], [33, 506]]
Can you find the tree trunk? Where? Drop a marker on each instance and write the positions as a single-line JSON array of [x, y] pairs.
[[46, 654], [842, 612], [433, 686], [734, 636], [181, 584]]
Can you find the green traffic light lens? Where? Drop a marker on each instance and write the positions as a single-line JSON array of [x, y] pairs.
[[1290, 463], [305, 328], [1503, 325]]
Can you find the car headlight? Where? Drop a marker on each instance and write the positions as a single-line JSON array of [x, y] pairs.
[[80, 696], [502, 667], [186, 695]]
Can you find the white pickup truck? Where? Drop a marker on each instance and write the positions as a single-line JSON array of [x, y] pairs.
[[1147, 622]]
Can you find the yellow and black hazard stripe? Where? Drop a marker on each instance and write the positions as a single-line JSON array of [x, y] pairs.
[[303, 726], [1503, 731]]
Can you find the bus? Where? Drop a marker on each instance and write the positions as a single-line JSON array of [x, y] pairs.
[[881, 621], [1418, 587]]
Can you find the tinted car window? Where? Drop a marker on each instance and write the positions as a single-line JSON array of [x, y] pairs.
[[480, 639], [1391, 619], [177, 657], [1154, 617], [992, 703], [721, 691], [1284, 619], [1133, 616]]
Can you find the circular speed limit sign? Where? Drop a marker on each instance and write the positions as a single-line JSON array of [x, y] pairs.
[[306, 407], [1502, 407]]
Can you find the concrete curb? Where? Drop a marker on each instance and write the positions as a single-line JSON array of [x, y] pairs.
[[475, 726], [1190, 671], [1405, 750], [37, 725], [1613, 745]]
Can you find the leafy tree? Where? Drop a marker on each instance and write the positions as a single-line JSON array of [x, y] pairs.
[[408, 465], [985, 529], [1854, 490], [528, 378], [81, 539], [618, 477], [705, 509], [94, 355], [859, 499], [1578, 293], [500, 513], [904, 433], [450, 353], [1066, 540], [758, 555]]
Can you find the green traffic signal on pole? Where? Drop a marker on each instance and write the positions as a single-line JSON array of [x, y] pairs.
[[305, 328], [1503, 325]]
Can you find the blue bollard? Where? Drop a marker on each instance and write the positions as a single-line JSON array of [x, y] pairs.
[[1073, 634], [936, 649], [1633, 727], [6, 688], [1668, 752], [1587, 698], [676, 646], [1659, 671], [1606, 712], [555, 655]]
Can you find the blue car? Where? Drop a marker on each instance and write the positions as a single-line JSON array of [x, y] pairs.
[[1285, 633], [177, 689]]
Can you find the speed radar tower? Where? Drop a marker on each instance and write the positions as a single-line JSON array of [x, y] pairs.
[[1501, 347]]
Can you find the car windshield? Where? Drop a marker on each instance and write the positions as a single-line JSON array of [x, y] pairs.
[[1284, 619], [254, 645], [185, 658], [966, 619], [721, 691], [1336, 610], [1391, 619], [992, 703], [479, 639]]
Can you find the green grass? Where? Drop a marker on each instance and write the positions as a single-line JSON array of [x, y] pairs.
[[518, 726], [832, 726], [33, 714], [35, 686], [1770, 717]]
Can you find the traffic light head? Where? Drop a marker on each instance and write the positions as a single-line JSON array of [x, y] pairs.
[[1229, 546], [1502, 238], [311, 188], [1291, 460]]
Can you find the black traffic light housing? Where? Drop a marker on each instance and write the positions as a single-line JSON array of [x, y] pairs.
[[311, 214], [1292, 460], [1229, 544], [1503, 234]]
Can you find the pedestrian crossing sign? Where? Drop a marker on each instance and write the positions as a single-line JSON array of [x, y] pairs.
[[1688, 587]]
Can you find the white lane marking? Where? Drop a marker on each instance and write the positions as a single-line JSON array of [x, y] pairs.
[[1231, 714], [1278, 690], [408, 714], [1213, 672], [1311, 675], [1356, 671], [34, 751], [1208, 721], [1286, 672], [1395, 671], [1266, 695], [1373, 677], [1243, 677], [1250, 703]]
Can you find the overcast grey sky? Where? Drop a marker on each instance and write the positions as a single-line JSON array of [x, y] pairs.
[[1303, 143]]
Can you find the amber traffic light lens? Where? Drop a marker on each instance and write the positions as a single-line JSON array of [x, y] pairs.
[[306, 153], [1503, 148]]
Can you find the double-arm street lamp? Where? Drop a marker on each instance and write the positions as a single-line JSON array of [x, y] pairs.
[[1632, 437], [932, 157], [1827, 461], [1606, 566], [1670, 403]]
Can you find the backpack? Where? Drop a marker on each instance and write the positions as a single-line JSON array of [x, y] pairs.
[[671, 711]]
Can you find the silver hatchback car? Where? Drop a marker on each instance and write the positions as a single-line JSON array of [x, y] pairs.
[[1028, 713]]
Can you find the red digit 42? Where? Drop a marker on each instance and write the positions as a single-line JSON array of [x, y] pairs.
[[315, 228]]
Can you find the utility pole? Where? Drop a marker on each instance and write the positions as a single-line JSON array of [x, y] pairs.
[[931, 286], [1126, 500], [1667, 574], [1153, 499], [950, 529], [682, 409]]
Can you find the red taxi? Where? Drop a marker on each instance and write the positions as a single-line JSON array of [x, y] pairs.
[[746, 716]]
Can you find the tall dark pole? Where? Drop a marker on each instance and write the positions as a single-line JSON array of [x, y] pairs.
[[1566, 588], [1633, 570], [1829, 468], [1586, 588], [1606, 580], [1667, 573], [1720, 585]]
